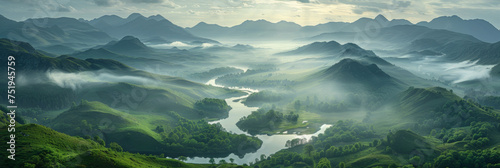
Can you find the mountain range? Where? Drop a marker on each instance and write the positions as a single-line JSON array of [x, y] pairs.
[[153, 29], [262, 29], [53, 31], [478, 28], [331, 48], [37, 67], [54, 34], [351, 71], [413, 38]]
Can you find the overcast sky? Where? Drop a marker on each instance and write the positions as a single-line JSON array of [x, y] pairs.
[[187, 13]]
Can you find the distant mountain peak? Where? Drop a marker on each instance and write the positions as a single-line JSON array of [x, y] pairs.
[[352, 70], [129, 38], [127, 43], [450, 18], [479, 28], [255, 21], [134, 16], [157, 17], [201, 23], [381, 17], [456, 17]]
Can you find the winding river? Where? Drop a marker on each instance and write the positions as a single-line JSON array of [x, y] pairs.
[[271, 143]]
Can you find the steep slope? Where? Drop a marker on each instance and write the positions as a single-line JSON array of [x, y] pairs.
[[32, 60], [39, 146], [58, 49], [154, 29], [66, 79], [330, 48], [481, 29], [484, 53], [203, 29], [418, 100], [249, 29], [363, 24], [53, 31], [351, 77], [405, 142], [139, 132], [333, 51], [128, 43], [94, 118], [404, 35], [409, 38], [349, 71], [438, 104]]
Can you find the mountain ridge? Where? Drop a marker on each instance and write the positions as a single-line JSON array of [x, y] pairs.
[[153, 28], [479, 28]]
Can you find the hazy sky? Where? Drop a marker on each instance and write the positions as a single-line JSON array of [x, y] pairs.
[[187, 13]]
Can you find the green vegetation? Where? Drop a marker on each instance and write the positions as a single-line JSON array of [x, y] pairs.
[[261, 122], [199, 138], [464, 134], [39, 146], [324, 163], [468, 158], [213, 107], [374, 121], [491, 101], [174, 136]]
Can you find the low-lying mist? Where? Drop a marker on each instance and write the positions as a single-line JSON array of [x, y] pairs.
[[179, 45], [79, 79], [449, 72]]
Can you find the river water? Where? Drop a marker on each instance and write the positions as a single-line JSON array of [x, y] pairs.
[[271, 143]]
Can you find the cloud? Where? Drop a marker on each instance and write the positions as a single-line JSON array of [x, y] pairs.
[[363, 9], [79, 79], [361, 6], [147, 1], [238, 3], [170, 4], [106, 3], [62, 8]]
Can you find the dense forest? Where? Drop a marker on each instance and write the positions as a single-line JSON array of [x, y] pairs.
[[270, 121], [191, 138], [212, 107]]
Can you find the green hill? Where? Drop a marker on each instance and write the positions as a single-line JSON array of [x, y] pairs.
[[356, 76], [53, 31], [32, 60], [404, 141], [150, 133], [127, 44], [96, 119], [425, 109], [421, 101], [39, 146], [149, 91]]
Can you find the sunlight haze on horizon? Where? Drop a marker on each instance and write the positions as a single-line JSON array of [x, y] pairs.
[[234, 12]]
